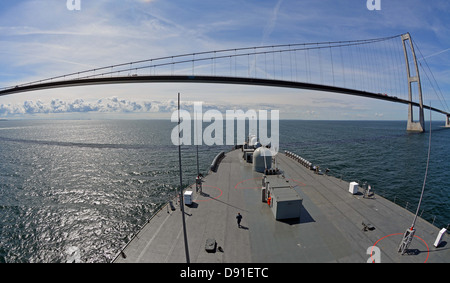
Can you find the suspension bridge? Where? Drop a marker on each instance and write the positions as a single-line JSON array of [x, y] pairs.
[[382, 68]]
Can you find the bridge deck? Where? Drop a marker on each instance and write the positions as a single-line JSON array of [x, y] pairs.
[[329, 230]]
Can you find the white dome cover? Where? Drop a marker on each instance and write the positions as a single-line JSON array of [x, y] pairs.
[[262, 159]]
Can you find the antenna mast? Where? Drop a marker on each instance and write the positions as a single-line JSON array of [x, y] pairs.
[[181, 186]]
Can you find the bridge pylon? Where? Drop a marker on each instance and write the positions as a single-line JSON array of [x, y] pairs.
[[447, 122], [413, 126]]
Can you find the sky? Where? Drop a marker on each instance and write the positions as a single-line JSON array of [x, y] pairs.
[[43, 38]]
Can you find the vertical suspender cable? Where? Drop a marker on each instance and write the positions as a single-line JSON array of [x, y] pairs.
[[332, 66]]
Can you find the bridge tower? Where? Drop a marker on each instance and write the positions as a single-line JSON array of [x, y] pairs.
[[413, 126]]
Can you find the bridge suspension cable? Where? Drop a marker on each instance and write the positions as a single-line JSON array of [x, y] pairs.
[[211, 58], [433, 84], [370, 67]]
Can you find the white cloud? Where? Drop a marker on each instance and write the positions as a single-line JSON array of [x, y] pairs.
[[104, 105], [268, 29], [111, 104]]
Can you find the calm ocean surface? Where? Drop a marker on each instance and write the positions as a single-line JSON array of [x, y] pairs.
[[78, 190]]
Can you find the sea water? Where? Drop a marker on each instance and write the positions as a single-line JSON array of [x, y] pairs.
[[77, 190]]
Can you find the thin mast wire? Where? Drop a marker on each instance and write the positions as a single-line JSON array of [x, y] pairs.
[[426, 173]]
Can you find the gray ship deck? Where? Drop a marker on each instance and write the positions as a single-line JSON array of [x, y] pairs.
[[329, 229]]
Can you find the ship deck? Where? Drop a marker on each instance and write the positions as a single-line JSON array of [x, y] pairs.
[[329, 228]]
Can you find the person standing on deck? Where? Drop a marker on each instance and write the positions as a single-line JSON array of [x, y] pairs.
[[239, 218]]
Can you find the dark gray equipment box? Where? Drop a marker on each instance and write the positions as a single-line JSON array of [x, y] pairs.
[[285, 202]]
